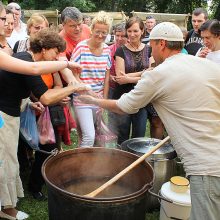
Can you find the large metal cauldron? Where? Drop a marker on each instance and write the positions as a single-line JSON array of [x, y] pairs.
[[162, 161], [124, 200]]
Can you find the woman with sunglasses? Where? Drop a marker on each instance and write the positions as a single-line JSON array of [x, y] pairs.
[[35, 23], [94, 56]]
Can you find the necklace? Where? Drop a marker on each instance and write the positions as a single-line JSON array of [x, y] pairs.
[[135, 48]]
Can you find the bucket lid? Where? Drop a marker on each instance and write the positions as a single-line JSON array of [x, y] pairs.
[[177, 198], [141, 146], [179, 181]]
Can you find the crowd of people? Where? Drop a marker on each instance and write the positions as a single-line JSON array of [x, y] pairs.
[[151, 72]]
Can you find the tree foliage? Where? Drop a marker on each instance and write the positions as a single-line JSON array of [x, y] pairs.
[[83, 5], [160, 6], [216, 9]]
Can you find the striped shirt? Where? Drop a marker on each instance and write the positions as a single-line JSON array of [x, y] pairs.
[[94, 67]]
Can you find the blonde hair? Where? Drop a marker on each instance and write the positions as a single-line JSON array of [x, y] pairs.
[[36, 19], [101, 18]]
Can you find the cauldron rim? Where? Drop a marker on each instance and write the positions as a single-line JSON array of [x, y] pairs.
[[128, 197]]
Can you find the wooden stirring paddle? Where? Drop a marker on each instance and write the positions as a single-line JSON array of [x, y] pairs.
[[127, 169]]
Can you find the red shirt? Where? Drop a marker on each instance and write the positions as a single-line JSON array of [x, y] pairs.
[[113, 48], [71, 44]]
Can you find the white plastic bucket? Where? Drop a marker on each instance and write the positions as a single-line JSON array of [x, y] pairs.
[[181, 206]]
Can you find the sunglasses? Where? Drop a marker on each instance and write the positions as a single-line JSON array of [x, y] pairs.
[[97, 33], [3, 19]]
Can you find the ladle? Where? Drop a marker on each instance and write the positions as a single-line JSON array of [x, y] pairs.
[[127, 169]]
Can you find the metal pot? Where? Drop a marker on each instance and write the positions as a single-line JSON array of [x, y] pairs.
[[84, 165], [162, 161]]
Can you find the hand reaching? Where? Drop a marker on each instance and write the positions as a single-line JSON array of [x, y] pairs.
[[79, 87], [88, 99]]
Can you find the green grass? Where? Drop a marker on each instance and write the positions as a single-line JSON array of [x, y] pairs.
[[39, 210]]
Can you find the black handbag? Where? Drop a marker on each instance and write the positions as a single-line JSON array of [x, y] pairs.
[[57, 115]]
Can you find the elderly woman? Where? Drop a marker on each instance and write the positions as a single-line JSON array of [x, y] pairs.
[[35, 23], [120, 39], [94, 56], [46, 45]]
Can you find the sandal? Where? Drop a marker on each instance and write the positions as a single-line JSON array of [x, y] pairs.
[[20, 216]]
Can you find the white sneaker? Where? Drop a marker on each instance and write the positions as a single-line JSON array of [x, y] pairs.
[[21, 215]]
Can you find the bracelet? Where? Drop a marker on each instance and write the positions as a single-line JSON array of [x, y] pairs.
[[68, 65]]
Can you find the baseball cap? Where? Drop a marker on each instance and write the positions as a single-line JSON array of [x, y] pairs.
[[14, 5], [166, 31]]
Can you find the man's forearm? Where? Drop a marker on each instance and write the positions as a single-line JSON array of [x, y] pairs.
[[109, 105]]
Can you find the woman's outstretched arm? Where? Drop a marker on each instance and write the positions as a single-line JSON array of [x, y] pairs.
[[12, 64]]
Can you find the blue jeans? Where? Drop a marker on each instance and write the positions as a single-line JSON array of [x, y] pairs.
[[136, 123]]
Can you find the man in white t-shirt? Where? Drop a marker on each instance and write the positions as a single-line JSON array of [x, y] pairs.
[[210, 32], [20, 28], [185, 92]]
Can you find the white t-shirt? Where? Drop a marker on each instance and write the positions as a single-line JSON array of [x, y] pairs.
[[185, 91], [214, 56]]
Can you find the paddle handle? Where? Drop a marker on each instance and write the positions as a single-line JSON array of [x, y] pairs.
[[127, 169]]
